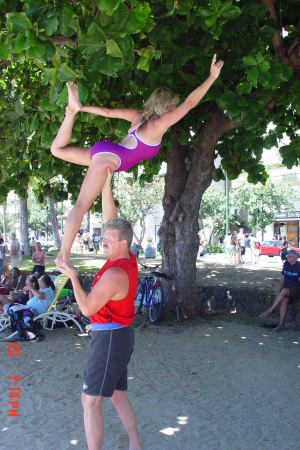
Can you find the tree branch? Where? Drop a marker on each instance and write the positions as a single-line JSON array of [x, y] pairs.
[[290, 56], [63, 40]]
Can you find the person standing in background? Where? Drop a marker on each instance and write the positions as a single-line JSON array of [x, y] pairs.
[[15, 251]]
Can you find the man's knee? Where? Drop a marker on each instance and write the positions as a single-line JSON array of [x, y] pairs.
[[118, 397], [90, 401]]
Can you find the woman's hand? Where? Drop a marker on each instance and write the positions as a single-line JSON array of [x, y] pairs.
[[215, 67]]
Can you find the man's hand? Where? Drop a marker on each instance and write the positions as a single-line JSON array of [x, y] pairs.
[[68, 269], [215, 67]]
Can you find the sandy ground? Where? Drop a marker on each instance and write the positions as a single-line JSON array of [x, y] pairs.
[[201, 386]]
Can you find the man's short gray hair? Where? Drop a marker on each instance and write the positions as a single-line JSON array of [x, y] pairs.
[[124, 227]]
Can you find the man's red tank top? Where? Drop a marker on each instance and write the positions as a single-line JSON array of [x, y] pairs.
[[119, 311]]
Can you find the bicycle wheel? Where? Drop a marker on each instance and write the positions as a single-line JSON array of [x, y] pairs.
[[139, 297], [154, 311]]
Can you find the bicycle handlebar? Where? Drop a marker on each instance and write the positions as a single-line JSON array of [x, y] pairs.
[[149, 267]]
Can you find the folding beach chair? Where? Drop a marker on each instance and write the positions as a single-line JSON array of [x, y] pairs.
[[53, 314]]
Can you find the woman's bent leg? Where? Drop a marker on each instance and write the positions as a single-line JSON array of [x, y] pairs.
[[90, 189]]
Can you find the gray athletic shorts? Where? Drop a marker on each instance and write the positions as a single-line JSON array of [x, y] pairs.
[[109, 355]]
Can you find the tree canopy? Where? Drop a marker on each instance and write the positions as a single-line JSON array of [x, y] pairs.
[[119, 51]]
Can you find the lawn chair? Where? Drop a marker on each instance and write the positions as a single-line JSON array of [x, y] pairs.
[[53, 314]]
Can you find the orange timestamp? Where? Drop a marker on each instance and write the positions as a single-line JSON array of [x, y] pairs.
[[14, 389]]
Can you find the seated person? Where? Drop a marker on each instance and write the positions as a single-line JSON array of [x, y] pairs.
[[22, 297], [9, 282], [136, 249], [150, 251], [289, 288], [39, 260], [42, 298]]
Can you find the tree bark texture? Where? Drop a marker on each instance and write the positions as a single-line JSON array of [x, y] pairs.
[[185, 183], [54, 223], [4, 222], [24, 226]]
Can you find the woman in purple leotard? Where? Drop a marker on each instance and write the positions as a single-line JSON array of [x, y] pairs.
[[142, 142]]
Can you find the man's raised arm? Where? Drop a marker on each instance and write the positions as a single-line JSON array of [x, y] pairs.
[[109, 209]]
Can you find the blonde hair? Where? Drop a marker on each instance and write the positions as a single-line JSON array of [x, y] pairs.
[[159, 103]]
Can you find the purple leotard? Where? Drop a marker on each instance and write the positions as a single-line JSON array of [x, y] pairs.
[[128, 157]]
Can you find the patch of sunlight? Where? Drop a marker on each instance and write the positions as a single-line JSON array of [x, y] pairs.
[[38, 360], [265, 335], [295, 342], [169, 431], [82, 334], [220, 328], [233, 311], [182, 420], [130, 378], [298, 368], [207, 335], [261, 343], [77, 343], [243, 337], [6, 428], [226, 341], [74, 442]]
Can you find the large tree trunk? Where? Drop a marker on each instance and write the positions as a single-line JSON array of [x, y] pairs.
[[4, 222], [185, 183], [24, 226], [54, 223]]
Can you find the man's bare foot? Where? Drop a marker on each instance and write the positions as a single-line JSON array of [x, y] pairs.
[[264, 315], [73, 94], [279, 328]]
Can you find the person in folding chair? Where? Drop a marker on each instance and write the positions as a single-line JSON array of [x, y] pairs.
[[110, 306]]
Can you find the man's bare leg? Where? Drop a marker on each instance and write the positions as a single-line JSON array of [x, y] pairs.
[[283, 309], [279, 298], [93, 421], [126, 413]]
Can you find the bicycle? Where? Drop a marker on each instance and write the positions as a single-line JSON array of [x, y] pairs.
[[150, 294]]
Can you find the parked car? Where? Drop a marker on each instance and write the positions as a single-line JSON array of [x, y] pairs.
[[273, 248]]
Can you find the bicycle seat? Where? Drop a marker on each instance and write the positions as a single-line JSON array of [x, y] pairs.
[[159, 274]]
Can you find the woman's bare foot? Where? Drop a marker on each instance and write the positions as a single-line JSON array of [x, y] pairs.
[[61, 260], [73, 102], [279, 328]]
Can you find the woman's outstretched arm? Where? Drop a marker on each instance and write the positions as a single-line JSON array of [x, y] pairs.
[[192, 100]]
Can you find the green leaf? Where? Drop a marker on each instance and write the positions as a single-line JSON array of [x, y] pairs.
[[205, 12], [244, 88], [68, 23], [51, 25], [145, 59], [267, 32], [249, 61], [229, 11], [252, 76], [211, 21], [47, 76], [83, 92], [38, 51], [65, 73], [16, 22], [215, 4], [19, 44], [62, 99], [34, 123], [264, 67], [109, 6], [142, 11], [91, 44], [113, 49]]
